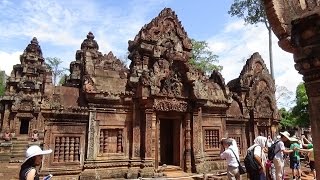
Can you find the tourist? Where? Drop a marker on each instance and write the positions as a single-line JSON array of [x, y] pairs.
[[227, 152], [310, 152], [295, 158], [280, 150], [259, 149], [33, 159], [269, 141]]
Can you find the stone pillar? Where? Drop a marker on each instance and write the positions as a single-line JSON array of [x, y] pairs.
[[188, 143], [154, 140], [148, 133], [136, 133], [93, 143], [197, 138], [6, 121], [305, 37]]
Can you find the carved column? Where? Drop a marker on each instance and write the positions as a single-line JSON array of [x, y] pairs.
[[92, 136], [305, 36], [197, 136], [136, 132], [148, 133], [154, 139], [6, 121], [188, 142]]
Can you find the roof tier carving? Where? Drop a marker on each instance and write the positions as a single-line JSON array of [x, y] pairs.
[[98, 73], [25, 85]]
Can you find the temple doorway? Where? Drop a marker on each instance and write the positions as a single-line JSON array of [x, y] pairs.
[[170, 145], [24, 126]]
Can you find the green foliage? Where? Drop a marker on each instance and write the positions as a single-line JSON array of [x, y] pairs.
[[63, 79], [54, 65], [300, 111], [2, 82], [298, 116], [286, 118], [203, 58], [252, 11]]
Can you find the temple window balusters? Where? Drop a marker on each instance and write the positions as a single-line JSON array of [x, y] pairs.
[[67, 149], [211, 139], [111, 141]]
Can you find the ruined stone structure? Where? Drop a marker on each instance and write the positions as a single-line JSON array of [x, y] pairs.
[[108, 121], [253, 101], [296, 24]]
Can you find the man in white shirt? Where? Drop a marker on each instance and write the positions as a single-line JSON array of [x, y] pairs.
[[280, 149], [230, 154]]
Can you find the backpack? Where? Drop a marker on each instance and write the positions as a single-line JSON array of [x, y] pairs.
[[271, 151], [250, 162]]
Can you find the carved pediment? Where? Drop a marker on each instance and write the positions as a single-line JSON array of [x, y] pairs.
[[157, 47], [109, 62], [265, 106], [212, 89], [166, 31]]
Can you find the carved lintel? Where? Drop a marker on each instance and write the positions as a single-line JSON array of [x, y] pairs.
[[170, 105]]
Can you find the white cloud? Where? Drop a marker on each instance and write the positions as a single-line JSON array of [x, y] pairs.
[[8, 60], [236, 43], [63, 25]]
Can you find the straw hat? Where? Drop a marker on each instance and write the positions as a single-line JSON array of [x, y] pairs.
[[35, 150], [294, 139], [285, 134]]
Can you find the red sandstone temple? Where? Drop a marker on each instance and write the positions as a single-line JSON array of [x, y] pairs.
[[113, 122]]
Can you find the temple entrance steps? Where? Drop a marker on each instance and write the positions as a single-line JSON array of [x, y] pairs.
[[19, 147], [9, 171], [175, 172]]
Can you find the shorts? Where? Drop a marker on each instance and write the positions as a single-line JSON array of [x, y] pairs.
[[311, 164], [294, 163]]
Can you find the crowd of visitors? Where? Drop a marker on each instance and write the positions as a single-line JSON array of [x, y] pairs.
[[266, 158]]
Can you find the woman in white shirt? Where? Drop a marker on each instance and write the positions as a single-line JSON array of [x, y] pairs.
[[259, 148]]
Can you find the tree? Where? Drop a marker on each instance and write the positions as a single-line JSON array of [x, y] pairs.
[[284, 97], [54, 65], [203, 58], [300, 111], [253, 12], [63, 79], [2, 82], [286, 118]]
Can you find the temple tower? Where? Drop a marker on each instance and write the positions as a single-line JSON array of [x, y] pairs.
[[24, 91]]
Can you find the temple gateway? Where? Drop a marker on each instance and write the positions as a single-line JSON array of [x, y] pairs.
[[109, 121]]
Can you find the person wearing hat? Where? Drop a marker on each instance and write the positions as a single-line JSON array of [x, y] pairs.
[[295, 158], [280, 150], [33, 159]]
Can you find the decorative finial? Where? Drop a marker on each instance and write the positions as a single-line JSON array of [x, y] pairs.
[[90, 35], [34, 41]]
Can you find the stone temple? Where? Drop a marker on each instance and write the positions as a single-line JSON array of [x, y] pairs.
[[109, 121]]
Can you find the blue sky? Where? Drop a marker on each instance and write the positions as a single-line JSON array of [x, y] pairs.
[[61, 26]]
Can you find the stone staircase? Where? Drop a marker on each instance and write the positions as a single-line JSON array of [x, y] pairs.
[[19, 147], [175, 172]]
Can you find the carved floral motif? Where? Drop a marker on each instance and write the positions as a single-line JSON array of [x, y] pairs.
[[170, 105]]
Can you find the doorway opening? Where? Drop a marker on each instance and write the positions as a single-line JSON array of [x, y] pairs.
[[24, 126], [170, 142]]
